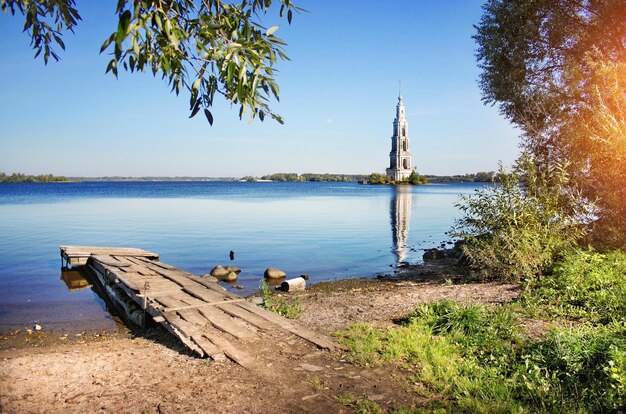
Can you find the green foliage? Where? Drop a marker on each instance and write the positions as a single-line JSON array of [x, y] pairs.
[[311, 177], [204, 47], [557, 70], [282, 177], [526, 49], [367, 407], [515, 229], [363, 406], [416, 179], [574, 370], [45, 21], [23, 178], [289, 307], [478, 359], [346, 398], [376, 178], [583, 285], [479, 177], [333, 177]]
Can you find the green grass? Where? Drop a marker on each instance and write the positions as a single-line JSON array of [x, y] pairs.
[[584, 286], [289, 307], [479, 359]]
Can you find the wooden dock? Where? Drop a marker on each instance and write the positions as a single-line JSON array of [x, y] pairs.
[[204, 316]]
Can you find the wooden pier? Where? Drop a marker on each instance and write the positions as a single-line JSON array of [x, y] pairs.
[[204, 316]]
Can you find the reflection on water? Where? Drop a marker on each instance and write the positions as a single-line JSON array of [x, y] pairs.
[[74, 279], [400, 210]]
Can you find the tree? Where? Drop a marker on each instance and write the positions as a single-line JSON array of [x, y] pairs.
[[206, 47], [417, 179], [376, 178], [556, 69]]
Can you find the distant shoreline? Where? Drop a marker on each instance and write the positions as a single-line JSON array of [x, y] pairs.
[[292, 177]]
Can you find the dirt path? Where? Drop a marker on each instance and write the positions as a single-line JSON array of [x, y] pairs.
[[40, 372]]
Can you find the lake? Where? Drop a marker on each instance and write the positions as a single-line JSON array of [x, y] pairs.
[[327, 230]]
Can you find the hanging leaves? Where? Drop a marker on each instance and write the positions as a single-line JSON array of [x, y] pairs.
[[206, 47]]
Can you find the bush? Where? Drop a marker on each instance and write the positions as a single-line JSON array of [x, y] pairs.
[[515, 228], [417, 179], [376, 178]]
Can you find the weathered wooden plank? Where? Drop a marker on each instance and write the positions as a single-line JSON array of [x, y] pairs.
[[95, 250], [156, 263], [320, 340], [205, 294], [204, 304], [226, 323], [108, 260], [183, 330], [212, 337], [190, 315], [241, 357], [249, 317], [188, 324], [204, 282], [214, 316]]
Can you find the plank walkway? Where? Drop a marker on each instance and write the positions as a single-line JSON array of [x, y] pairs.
[[209, 320]]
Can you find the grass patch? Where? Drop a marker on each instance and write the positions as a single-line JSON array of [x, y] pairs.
[[583, 285], [477, 359], [289, 307], [346, 398]]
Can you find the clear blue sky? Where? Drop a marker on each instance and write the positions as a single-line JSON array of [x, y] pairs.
[[338, 97]]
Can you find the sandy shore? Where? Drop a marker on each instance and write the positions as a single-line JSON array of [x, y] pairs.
[[149, 372]]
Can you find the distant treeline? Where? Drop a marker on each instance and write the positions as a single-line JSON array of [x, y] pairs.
[[24, 178], [294, 177], [479, 177], [180, 178]]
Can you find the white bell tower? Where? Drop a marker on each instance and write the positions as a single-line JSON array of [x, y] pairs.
[[400, 166]]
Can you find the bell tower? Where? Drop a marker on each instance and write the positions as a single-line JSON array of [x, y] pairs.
[[400, 166]]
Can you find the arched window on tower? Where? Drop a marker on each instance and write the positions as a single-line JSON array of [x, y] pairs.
[[405, 163], [404, 145], [404, 131]]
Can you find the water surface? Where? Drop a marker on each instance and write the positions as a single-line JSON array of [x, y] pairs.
[[326, 230]]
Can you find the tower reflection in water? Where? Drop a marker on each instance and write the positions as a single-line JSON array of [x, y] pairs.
[[400, 210]]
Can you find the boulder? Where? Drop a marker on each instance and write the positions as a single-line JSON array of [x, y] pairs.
[[433, 254], [230, 277], [273, 273], [219, 271], [233, 269]]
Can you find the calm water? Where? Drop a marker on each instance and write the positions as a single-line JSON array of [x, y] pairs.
[[328, 230]]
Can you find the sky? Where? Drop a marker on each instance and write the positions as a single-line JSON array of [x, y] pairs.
[[338, 98]]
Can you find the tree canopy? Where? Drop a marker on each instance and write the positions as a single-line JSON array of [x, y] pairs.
[[205, 47], [557, 69]]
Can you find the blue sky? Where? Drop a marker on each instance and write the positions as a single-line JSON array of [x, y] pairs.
[[338, 97]]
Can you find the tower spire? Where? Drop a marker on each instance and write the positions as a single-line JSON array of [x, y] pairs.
[[400, 156]]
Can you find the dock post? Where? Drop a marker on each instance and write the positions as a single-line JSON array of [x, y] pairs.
[[146, 288]]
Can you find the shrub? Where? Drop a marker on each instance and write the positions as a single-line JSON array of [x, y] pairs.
[[376, 178], [515, 228], [417, 179]]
